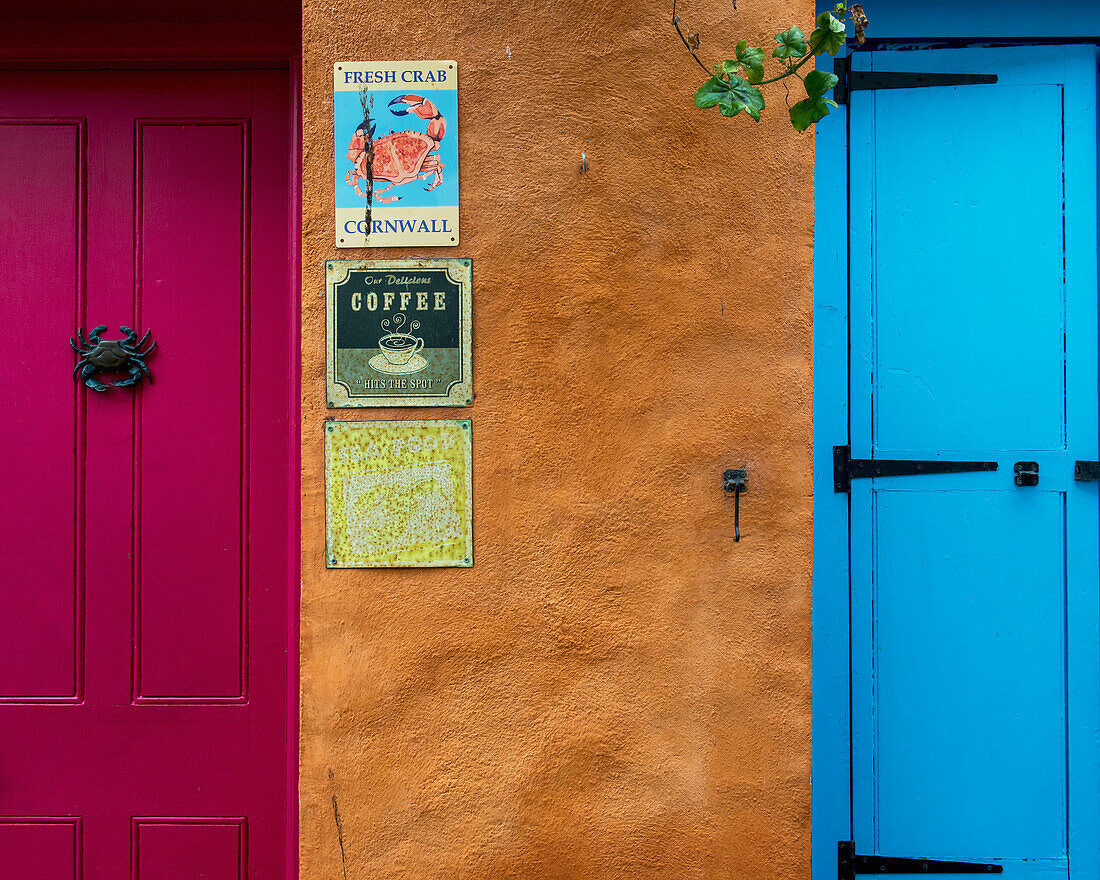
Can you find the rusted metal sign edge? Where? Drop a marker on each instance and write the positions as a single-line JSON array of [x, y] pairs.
[[399, 494]]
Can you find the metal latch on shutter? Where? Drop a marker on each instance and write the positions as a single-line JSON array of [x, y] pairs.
[[849, 864], [1086, 470], [846, 468], [864, 80]]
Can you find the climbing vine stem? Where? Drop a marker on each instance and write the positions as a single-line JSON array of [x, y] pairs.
[[733, 85]]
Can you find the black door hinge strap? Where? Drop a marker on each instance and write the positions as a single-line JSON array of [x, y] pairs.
[[846, 468], [864, 80], [849, 864]]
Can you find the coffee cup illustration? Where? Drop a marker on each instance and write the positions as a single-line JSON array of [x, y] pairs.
[[396, 345]]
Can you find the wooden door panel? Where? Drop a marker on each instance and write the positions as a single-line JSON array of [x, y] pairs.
[[192, 426], [969, 301], [41, 651], [969, 682], [212, 850], [41, 848]]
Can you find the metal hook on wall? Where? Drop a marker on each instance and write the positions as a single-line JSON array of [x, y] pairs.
[[736, 480]]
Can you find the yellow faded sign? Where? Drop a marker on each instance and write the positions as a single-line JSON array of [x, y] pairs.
[[397, 493]]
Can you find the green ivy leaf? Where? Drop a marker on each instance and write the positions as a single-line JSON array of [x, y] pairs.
[[752, 59], [818, 83], [816, 106], [806, 113], [710, 92], [792, 44], [741, 96], [829, 34]]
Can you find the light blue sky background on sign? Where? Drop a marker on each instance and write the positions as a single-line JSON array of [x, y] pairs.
[[348, 115]]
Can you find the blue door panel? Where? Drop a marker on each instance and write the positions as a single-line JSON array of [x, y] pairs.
[[966, 267], [966, 687]]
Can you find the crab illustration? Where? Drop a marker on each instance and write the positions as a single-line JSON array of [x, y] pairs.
[[98, 355], [400, 156]]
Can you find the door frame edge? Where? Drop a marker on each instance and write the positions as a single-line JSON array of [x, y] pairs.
[[831, 751]]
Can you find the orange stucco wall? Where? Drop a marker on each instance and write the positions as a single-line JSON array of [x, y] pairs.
[[616, 689]]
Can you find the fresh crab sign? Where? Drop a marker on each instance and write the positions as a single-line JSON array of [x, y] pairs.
[[396, 128]]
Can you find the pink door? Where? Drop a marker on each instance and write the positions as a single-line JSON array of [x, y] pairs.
[[146, 575]]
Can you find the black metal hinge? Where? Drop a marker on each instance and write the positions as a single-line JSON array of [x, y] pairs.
[[846, 468], [864, 80], [849, 864], [1027, 473]]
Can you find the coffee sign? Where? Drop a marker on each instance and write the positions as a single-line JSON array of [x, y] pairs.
[[398, 332]]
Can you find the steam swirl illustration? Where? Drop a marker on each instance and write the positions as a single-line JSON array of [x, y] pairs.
[[398, 323]]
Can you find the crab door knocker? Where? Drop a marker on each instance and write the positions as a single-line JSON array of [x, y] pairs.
[[96, 355]]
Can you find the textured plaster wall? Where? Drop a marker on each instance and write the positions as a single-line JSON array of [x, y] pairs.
[[616, 689]]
